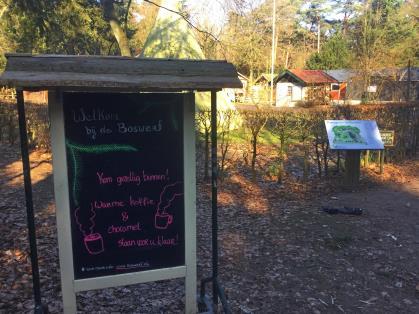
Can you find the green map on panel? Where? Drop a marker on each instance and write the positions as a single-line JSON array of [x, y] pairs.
[[346, 134]]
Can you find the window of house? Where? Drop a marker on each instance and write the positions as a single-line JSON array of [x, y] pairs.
[[335, 86], [289, 92]]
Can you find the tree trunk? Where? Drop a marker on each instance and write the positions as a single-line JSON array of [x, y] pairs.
[[254, 154], [318, 35], [325, 147], [281, 162], [306, 161], [319, 162], [287, 58], [121, 37]]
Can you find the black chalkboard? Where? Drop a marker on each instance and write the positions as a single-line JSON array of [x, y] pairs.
[[125, 171]]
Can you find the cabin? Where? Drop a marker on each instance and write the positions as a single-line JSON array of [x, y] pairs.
[[348, 89], [394, 84], [260, 91], [238, 95], [301, 86]]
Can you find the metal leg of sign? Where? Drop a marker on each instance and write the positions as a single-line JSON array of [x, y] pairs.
[[190, 204], [39, 308], [214, 205], [217, 290]]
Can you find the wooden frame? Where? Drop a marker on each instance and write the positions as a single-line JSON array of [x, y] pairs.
[[69, 285]]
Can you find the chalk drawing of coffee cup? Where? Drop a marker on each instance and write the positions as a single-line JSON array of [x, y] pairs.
[[94, 243], [162, 220]]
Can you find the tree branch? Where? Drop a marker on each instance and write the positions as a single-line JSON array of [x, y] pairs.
[[186, 19]]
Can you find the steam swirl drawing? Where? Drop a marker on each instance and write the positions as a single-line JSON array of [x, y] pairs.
[[170, 192], [93, 241]]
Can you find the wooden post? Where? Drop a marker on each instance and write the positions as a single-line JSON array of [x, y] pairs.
[[381, 156], [338, 162], [190, 203], [352, 168], [366, 158], [378, 160]]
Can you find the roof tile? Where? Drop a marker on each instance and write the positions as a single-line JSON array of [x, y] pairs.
[[313, 76]]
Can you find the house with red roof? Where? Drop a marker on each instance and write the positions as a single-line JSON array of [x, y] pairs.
[[298, 86]]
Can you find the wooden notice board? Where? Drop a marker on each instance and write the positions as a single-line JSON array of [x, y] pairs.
[[103, 241], [125, 196], [387, 137]]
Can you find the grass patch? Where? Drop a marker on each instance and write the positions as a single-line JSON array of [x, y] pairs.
[[239, 136]]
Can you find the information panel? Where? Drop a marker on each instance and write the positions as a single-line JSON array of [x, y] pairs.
[[387, 137], [353, 134], [125, 171]]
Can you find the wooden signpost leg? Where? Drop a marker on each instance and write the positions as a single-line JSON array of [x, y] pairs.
[[366, 158], [379, 157], [352, 168], [59, 161], [190, 204], [382, 155]]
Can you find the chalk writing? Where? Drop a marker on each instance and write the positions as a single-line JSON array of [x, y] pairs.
[[123, 229], [95, 114], [158, 241], [140, 202], [130, 178], [102, 179], [91, 132], [107, 204], [155, 177], [124, 128], [133, 177], [125, 170]]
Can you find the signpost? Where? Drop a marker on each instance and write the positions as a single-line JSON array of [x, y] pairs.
[[123, 142], [126, 183], [353, 136], [125, 195], [387, 137]]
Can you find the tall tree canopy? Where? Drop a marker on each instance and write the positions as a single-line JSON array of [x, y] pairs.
[[362, 34], [334, 54]]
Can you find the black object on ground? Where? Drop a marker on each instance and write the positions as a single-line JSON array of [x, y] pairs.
[[344, 210]]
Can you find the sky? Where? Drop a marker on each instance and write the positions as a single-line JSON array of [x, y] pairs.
[[210, 11]]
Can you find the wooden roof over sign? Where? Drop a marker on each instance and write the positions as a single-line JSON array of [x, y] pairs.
[[40, 72]]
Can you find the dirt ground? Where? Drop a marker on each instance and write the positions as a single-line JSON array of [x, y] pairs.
[[279, 252]]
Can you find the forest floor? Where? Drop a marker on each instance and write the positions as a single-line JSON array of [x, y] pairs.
[[279, 252]]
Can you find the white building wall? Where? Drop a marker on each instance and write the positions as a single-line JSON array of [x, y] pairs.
[[282, 97]]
